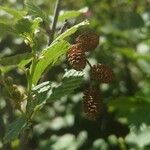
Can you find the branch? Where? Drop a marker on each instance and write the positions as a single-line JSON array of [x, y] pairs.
[[89, 63], [65, 25], [24, 139], [53, 28]]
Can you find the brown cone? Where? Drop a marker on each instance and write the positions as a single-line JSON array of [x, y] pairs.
[[102, 73], [92, 103], [76, 57], [89, 40]]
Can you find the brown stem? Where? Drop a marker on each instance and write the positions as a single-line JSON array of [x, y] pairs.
[[65, 25], [89, 63], [24, 139], [53, 28]]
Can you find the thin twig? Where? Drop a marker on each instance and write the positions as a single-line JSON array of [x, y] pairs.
[[53, 28], [89, 63], [52, 31], [65, 25]]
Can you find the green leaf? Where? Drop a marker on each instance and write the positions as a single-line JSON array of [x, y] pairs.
[[49, 58], [71, 80], [17, 60], [17, 14], [41, 91], [6, 28], [71, 31], [40, 86], [14, 129], [133, 55], [71, 14], [129, 20], [129, 107], [26, 28], [37, 11]]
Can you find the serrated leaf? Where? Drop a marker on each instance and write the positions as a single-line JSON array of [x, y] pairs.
[[36, 11], [17, 60], [14, 129], [40, 86], [41, 91], [71, 31], [71, 14], [17, 14], [72, 79], [49, 58]]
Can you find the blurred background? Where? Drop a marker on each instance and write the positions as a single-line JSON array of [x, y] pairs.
[[124, 29]]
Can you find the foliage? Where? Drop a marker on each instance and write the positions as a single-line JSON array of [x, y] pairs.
[[52, 92]]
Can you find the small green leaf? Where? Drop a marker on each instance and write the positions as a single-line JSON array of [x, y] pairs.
[[14, 129], [17, 60], [37, 11], [17, 14], [71, 31], [71, 14], [26, 28], [72, 79], [49, 58]]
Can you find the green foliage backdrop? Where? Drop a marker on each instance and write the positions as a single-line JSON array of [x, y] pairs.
[[56, 112]]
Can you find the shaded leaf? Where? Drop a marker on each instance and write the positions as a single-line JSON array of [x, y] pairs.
[[14, 129], [17, 60], [26, 28], [6, 28], [133, 55], [17, 14], [129, 107], [129, 20], [36, 11]]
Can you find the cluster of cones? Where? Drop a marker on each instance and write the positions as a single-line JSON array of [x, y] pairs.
[[92, 102]]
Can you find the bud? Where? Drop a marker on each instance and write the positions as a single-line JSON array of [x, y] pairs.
[[76, 57], [92, 103], [89, 40], [102, 73]]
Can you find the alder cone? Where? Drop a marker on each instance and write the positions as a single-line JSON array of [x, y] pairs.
[[89, 40], [76, 57], [102, 73], [92, 103]]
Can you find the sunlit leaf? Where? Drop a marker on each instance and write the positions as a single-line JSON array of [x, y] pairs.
[[71, 14], [71, 31], [72, 79], [49, 58]]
